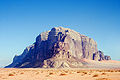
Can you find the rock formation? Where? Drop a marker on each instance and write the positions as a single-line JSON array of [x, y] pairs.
[[59, 48], [100, 56]]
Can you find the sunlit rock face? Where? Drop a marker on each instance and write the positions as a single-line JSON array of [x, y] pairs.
[[59, 48]]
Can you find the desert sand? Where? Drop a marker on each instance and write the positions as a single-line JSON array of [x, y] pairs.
[[58, 74]]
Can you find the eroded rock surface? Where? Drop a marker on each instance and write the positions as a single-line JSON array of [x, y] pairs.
[[59, 48]]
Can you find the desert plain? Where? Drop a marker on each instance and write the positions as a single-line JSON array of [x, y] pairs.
[[58, 74]]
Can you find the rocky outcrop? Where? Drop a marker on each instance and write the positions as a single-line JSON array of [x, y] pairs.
[[100, 56], [59, 48], [107, 57]]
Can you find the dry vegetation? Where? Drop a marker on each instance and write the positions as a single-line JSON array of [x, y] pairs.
[[51, 73], [63, 74], [103, 73], [96, 75], [11, 74], [59, 74], [78, 72], [103, 79], [84, 72], [21, 73]]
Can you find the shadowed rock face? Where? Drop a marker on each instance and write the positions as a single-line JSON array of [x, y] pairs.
[[59, 48], [98, 56]]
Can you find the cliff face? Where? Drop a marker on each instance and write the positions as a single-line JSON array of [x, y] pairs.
[[59, 48]]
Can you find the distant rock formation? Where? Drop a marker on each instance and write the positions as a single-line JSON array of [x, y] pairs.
[[59, 48], [100, 56]]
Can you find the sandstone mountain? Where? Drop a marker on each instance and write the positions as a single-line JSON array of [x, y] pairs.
[[59, 48]]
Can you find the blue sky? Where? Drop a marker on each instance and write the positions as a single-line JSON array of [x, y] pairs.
[[22, 20]]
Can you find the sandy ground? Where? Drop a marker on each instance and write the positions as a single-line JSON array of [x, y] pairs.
[[111, 64], [59, 74]]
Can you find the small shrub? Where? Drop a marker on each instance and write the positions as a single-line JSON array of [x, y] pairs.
[[62, 74], [103, 74], [50, 73], [11, 74], [100, 71], [110, 71], [21, 73], [78, 72], [85, 72], [96, 75]]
